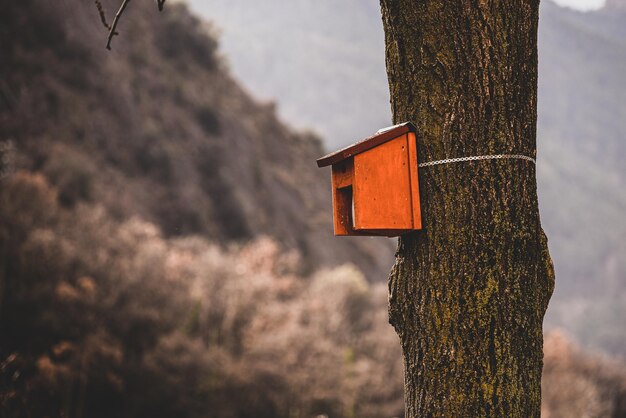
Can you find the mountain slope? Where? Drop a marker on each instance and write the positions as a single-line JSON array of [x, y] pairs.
[[159, 130], [333, 53], [581, 174]]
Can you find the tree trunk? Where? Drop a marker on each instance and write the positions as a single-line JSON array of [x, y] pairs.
[[468, 293]]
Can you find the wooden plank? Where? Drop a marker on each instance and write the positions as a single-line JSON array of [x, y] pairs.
[[366, 144], [342, 204], [414, 179], [382, 188], [343, 173], [382, 232]]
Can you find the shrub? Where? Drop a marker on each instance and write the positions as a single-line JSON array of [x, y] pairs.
[[73, 176], [208, 119]]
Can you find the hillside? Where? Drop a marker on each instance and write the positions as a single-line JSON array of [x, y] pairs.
[[334, 53], [165, 247], [162, 132], [582, 109], [581, 175]]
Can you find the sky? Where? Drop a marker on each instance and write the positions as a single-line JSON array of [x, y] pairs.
[[581, 4]]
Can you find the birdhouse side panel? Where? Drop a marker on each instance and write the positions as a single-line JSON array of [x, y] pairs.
[[382, 187], [413, 172]]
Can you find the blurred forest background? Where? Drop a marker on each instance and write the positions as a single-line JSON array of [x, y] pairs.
[[165, 237]]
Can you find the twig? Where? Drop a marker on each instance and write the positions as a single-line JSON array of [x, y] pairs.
[[103, 18], [115, 21]]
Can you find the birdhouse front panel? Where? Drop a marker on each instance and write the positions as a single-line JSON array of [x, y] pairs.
[[382, 187], [375, 184]]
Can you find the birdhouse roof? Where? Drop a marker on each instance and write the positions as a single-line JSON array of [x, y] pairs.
[[380, 137]]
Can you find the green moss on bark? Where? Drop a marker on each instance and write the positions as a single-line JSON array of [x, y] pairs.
[[469, 292]]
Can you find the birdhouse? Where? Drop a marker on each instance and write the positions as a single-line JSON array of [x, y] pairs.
[[375, 185]]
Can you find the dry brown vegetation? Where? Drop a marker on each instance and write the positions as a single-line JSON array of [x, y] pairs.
[[577, 384], [107, 318], [165, 247], [110, 318]]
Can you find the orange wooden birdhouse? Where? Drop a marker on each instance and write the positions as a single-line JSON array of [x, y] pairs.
[[375, 185]]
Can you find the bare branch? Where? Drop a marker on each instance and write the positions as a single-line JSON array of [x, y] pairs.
[[119, 13], [103, 18]]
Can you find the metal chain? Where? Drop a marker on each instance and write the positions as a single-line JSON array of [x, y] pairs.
[[478, 157]]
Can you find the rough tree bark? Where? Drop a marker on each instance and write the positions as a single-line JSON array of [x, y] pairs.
[[469, 292]]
